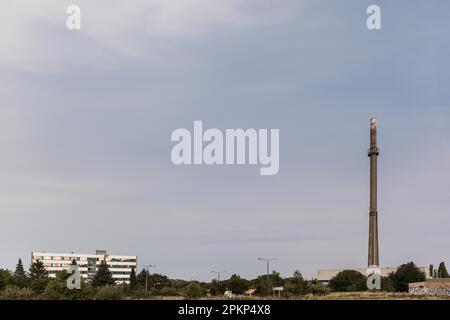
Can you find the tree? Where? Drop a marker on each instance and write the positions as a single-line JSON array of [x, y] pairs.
[[193, 290], [6, 278], [263, 287], [38, 276], [103, 276], [405, 274], [236, 284], [20, 277], [216, 288], [56, 287], [133, 279], [348, 280], [386, 284], [431, 270], [20, 271], [158, 281], [442, 271], [295, 285], [37, 271], [141, 277]]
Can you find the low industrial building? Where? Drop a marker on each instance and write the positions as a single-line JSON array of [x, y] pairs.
[[438, 287], [325, 275]]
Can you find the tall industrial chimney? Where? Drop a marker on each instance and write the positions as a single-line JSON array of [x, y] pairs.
[[373, 153]]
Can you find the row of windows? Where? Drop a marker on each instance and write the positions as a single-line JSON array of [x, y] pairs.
[[80, 259], [115, 266], [86, 272], [120, 272], [66, 265], [122, 260], [56, 271], [61, 258]]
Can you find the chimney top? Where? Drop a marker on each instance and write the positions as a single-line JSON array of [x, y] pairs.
[[373, 123]]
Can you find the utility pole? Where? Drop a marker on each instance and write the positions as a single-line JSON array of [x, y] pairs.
[[146, 276], [218, 274], [267, 265]]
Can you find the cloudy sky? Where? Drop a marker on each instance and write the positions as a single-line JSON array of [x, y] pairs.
[[86, 118]]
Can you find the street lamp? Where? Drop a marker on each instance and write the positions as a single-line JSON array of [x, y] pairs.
[[218, 274], [267, 264], [146, 276]]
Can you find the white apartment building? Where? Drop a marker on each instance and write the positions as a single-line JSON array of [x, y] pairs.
[[120, 266]]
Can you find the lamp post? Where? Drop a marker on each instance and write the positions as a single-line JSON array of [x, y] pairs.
[[218, 274], [146, 276], [267, 265]]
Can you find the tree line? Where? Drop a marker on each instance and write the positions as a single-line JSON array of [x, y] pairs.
[[351, 280], [37, 284]]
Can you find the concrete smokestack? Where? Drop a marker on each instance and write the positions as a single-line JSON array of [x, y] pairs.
[[373, 153]]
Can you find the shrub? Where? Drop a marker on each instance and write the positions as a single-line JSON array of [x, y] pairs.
[[348, 281], [318, 289], [168, 291], [387, 284], [57, 290], [193, 290], [15, 293], [295, 285], [38, 285], [6, 278], [53, 291], [404, 275], [109, 293]]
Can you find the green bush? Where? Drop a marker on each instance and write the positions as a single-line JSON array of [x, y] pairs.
[[318, 289], [295, 285], [38, 285], [193, 290], [109, 293], [57, 290], [348, 281], [387, 284], [54, 290], [15, 293], [139, 294], [6, 278], [404, 275], [236, 284], [168, 291]]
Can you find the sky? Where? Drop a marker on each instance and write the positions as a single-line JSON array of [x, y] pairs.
[[86, 118]]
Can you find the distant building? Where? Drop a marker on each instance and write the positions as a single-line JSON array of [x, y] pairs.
[[438, 287], [120, 266], [324, 276]]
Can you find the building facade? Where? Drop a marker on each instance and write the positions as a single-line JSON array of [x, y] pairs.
[[119, 265], [438, 287]]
